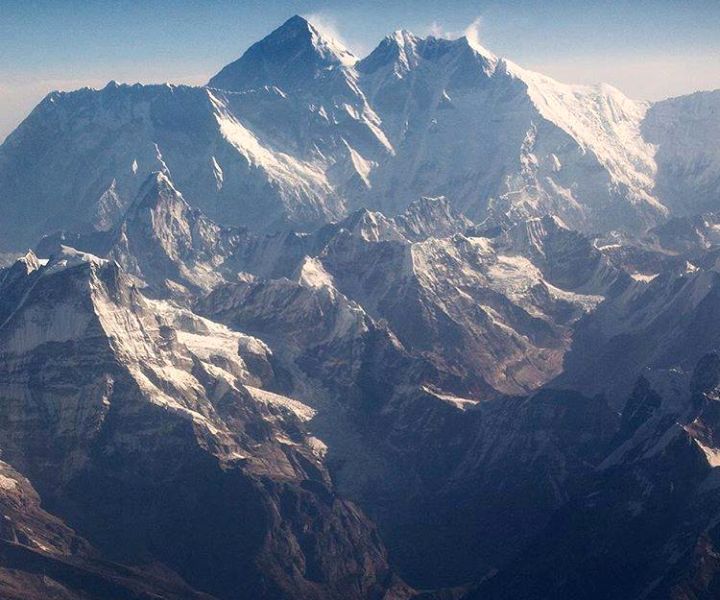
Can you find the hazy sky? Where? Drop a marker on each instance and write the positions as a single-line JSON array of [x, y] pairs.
[[649, 49]]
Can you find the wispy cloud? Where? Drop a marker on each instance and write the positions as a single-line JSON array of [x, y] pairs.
[[471, 32], [327, 26], [438, 30]]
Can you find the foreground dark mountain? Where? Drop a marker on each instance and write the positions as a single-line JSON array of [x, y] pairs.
[[647, 514], [146, 428]]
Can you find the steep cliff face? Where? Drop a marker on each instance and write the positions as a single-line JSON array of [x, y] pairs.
[[688, 170], [121, 134], [450, 105], [661, 328], [456, 475], [132, 416], [456, 482], [43, 558], [161, 238], [169, 248]]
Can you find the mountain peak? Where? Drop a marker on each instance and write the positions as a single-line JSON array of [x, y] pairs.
[[403, 37], [156, 188], [296, 21], [157, 181], [289, 57], [400, 48], [404, 51]]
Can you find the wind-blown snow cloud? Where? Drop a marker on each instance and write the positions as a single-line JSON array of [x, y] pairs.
[[472, 32], [327, 26], [435, 29]]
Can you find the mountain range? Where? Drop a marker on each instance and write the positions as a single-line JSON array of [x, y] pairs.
[[298, 132], [423, 324]]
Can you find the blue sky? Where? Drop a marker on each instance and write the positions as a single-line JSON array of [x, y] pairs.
[[649, 49]]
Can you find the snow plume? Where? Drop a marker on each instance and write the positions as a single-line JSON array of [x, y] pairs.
[[436, 30], [472, 34], [327, 27]]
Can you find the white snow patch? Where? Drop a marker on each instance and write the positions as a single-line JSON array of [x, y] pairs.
[[484, 245], [313, 274], [514, 275], [317, 446], [301, 411], [69, 257], [279, 166], [161, 160], [460, 403], [556, 164], [587, 302], [712, 454], [217, 173], [643, 277], [7, 483], [362, 166]]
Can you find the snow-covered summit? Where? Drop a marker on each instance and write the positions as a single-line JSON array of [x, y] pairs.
[[403, 51], [68, 258], [157, 184], [291, 56], [400, 48]]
